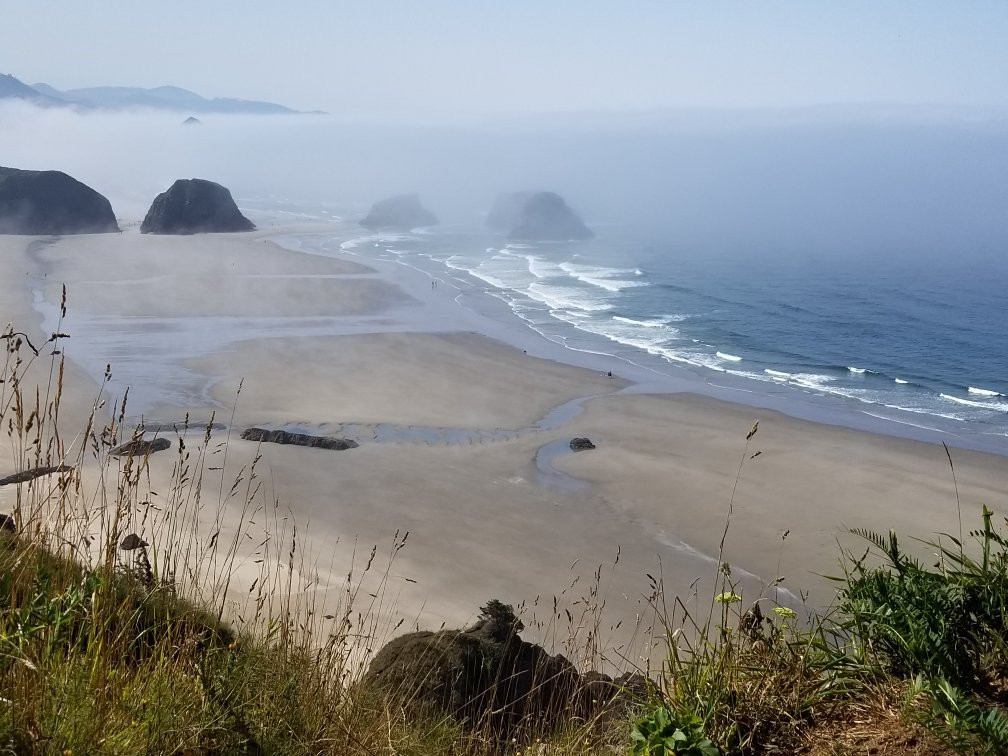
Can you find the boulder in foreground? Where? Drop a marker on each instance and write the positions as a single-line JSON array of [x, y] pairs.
[[51, 202], [399, 213], [487, 675], [194, 206], [537, 216]]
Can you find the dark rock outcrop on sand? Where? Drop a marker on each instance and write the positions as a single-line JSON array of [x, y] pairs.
[[141, 448], [581, 444], [51, 202], [298, 439], [400, 213], [194, 206], [487, 675], [35, 472], [537, 216]]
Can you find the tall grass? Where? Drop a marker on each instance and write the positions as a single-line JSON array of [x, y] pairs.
[[208, 637], [216, 631]]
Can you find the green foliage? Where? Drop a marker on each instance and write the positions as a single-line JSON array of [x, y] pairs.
[[660, 732], [947, 622], [958, 719]]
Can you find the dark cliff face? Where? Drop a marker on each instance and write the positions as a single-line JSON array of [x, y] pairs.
[[545, 216], [194, 206], [401, 213], [51, 202]]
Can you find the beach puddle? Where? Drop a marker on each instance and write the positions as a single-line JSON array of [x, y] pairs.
[[390, 433]]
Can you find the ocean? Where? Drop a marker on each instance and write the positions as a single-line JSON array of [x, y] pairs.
[[913, 347]]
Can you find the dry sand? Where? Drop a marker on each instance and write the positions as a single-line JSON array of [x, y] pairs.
[[483, 522]]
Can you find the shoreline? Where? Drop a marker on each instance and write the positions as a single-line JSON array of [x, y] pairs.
[[648, 374], [381, 350]]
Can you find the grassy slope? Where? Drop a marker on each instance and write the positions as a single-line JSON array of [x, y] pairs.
[[103, 652]]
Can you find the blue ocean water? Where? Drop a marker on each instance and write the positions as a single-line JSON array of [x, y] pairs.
[[921, 342]]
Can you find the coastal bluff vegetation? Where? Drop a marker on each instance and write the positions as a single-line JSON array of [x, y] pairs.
[[141, 621]]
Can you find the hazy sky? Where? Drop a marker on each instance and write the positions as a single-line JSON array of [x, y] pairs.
[[466, 56]]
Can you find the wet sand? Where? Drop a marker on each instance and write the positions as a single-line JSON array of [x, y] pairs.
[[331, 344]]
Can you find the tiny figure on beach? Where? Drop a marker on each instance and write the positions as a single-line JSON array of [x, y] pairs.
[[609, 374]]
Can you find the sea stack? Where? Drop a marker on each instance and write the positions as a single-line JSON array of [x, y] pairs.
[[400, 213], [506, 213], [51, 202], [542, 217], [194, 206]]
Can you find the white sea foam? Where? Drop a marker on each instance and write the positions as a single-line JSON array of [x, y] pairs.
[[988, 405], [565, 298], [900, 381], [604, 278], [856, 370], [656, 323], [982, 391], [777, 374], [729, 357]]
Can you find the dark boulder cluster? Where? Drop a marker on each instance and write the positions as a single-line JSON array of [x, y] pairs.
[[581, 444], [39, 203], [400, 213], [487, 675], [51, 202], [194, 206], [536, 216], [298, 439]]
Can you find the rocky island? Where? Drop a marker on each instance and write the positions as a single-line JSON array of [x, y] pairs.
[[402, 213], [536, 216], [51, 202], [194, 206]]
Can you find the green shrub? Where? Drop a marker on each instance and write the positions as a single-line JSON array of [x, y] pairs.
[[659, 731]]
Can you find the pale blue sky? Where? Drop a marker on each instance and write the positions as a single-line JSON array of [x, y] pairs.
[[475, 57]]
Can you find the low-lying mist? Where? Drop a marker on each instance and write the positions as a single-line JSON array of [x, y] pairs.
[[851, 181]]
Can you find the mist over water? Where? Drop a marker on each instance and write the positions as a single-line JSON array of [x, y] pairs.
[[859, 253], [739, 183]]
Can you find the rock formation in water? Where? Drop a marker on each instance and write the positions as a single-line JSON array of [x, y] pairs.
[[487, 674], [399, 213], [298, 439], [191, 121], [194, 206], [542, 216], [507, 211], [51, 202]]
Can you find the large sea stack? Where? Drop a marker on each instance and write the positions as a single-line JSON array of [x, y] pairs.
[[50, 202], [400, 213], [194, 206], [537, 216], [507, 211]]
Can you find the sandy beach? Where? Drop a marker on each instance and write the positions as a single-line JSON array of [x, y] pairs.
[[461, 439]]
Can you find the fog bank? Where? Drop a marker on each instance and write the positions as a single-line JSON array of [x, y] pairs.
[[852, 181]]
